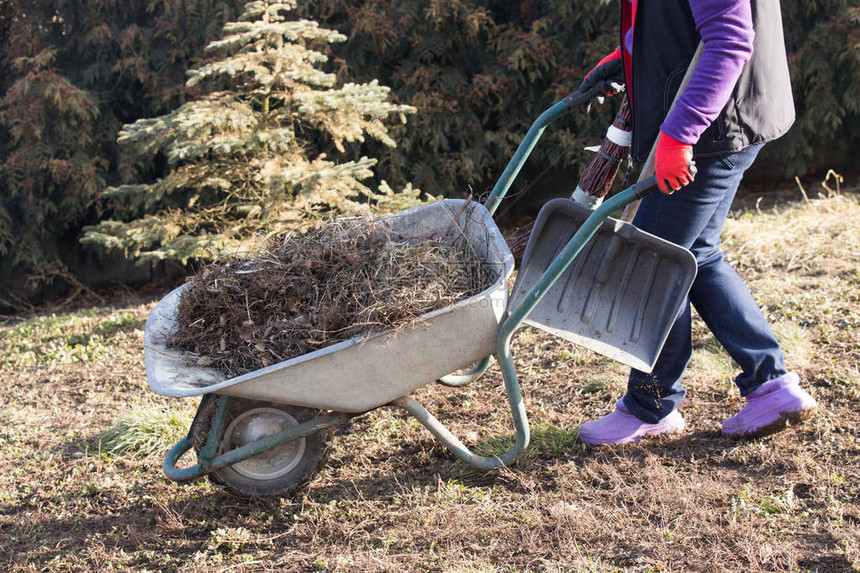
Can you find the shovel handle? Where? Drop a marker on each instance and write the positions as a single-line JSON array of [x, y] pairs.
[[648, 167]]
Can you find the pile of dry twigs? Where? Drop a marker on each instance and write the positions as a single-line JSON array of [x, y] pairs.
[[348, 277]]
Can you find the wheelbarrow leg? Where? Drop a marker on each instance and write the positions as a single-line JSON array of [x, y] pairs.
[[457, 447], [207, 452], [444, 435]]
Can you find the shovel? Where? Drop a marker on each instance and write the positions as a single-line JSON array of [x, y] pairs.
[[621, 293]]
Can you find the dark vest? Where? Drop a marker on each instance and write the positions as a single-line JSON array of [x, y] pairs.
[[761, 107]]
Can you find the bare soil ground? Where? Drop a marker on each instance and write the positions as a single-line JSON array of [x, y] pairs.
[[392, 498]]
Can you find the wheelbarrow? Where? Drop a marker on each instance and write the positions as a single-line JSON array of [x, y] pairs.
[[268, 432]]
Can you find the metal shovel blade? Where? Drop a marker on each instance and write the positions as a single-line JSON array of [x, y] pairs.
[[618, 297]]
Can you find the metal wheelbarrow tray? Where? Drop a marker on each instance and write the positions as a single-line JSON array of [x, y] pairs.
[[365, 372]]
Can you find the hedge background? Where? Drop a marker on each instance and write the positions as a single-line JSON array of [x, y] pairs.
[[72, 72]]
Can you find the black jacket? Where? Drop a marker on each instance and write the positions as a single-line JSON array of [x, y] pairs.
[[761, 107]]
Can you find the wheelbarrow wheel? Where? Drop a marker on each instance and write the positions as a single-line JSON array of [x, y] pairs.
[[276, 471]]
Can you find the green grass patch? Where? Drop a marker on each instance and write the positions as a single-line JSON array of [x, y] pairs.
[[608, 376], [547, 440], [77, 337], [746, 502], [796, 343], [712, 361], [144, 434]]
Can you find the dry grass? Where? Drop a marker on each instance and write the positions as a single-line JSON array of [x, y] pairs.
[[344, 278], [393, 499], [818, 233]]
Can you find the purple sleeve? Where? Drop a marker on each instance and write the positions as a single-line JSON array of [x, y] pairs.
[[727, 32]]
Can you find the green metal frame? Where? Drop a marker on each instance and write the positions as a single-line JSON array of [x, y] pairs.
[[518, 315], [208, 459], [512, 323]]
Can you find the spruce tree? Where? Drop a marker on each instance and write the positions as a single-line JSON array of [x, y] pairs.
[[252, 156]]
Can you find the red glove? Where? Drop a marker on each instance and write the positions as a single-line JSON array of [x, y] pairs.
[[674, 164]]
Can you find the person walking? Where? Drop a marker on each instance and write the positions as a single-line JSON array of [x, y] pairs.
[[738, 98]]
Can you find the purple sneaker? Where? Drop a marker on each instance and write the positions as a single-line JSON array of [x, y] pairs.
[[622, 427], [771, 408]]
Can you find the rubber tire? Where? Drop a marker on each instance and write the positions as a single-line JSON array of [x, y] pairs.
[[317, 449]]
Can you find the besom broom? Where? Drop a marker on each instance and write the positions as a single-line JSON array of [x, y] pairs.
[[597, 178]]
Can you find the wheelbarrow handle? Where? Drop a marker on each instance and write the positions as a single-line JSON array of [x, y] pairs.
[[569, 103], [643, 188], [558, 266], [577, 99]]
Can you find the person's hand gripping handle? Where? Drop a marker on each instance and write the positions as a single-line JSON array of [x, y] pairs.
[[673, 164], [609, 72]]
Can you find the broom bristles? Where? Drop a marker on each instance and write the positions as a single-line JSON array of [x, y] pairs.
[[598, 177]]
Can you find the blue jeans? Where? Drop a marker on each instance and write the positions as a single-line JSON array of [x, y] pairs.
[[693, 218]]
